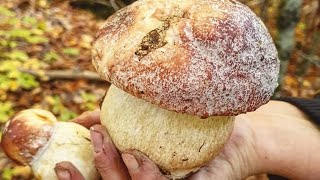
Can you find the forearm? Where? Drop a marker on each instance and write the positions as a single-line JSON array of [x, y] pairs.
[[288, 144]]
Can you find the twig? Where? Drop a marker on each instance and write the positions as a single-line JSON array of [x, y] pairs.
[[117, 4], [103, 2], [315, 61], [114, 5], [254, 3], [65, 74], [121, 3]]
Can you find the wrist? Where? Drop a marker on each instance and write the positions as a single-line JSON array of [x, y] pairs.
[[287, 143]]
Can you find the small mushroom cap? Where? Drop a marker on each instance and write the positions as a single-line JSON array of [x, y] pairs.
[[26, 134]]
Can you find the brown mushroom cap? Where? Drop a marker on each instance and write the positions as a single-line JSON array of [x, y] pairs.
[[199, 57], [26, 134]]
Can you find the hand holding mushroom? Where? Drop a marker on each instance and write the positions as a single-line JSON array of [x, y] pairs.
[[258, 144]]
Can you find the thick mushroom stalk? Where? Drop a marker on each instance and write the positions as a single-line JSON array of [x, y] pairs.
[[178, 143]]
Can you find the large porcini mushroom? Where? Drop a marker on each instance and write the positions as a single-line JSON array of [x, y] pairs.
[[181, 70]]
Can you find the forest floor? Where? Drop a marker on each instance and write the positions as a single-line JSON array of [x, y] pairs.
[[45, 62]]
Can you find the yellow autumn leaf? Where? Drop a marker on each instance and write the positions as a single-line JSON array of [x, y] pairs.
[[9, 65], [33, 64], [50, 100], [37, 31], [56, 31], [42, 3], [13, 85], [3, 95], [13, 74], [37, 106], [306, 84], [72, 41], [86, 41], [22, 171]]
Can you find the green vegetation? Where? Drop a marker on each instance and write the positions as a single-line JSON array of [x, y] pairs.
[[89, 100], [15, 34], [5, 111], [25, 47], [57, 107]]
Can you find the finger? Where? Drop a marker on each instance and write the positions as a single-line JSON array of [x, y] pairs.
[[67, 171], [107, 158], [88, 118], [141, 167]]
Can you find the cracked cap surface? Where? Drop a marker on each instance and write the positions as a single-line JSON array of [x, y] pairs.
[[199, 57]]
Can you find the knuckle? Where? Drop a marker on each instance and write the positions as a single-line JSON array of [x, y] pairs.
[[98, 127], [106, 162]]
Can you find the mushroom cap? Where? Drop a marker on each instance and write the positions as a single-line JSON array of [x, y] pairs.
[[26, 134], [199, 57]]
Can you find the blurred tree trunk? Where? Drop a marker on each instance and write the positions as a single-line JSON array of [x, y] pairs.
[[289, 15], [308, 55], [264, 10], [101, 8]]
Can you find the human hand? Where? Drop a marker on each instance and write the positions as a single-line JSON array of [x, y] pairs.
[[107, 159], [134, 165], [255, 146], [277, 138]]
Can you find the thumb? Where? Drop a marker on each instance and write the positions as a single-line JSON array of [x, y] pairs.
[[141, 167], [67, 171]]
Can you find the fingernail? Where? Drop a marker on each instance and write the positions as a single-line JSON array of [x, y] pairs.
[[130, 161], [63, 173], [97, 140]]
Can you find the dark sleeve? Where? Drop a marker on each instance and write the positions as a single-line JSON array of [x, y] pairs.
[[311, 107]]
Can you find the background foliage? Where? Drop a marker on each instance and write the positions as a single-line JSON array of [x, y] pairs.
[[45, 56]]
